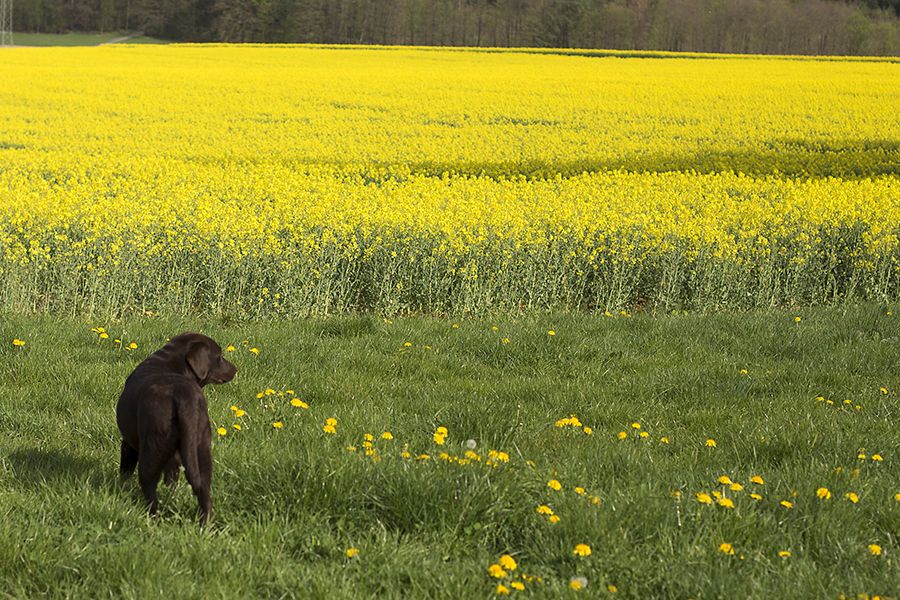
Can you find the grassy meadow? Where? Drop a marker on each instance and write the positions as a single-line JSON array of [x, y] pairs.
[[794, 407]]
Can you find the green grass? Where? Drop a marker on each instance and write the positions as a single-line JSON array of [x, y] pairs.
[[289, 501], [77, 39]]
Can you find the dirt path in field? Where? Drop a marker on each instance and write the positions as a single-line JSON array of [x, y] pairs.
[[119, 40]]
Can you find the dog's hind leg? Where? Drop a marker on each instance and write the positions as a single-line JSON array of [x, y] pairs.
[[150, 468], [129, 460]]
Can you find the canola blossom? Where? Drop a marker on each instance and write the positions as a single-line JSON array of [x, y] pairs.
[[255, 180]]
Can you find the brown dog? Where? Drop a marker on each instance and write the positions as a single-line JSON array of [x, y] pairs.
[[162, 416]]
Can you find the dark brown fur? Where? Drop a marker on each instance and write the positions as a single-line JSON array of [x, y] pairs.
[[163, 419]]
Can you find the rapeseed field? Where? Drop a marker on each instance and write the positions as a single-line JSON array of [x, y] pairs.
[[295, 180]]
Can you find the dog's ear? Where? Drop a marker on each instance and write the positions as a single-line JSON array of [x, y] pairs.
[[198, 359]]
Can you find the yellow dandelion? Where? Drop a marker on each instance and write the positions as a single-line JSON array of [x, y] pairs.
[[555, 485], [710, 443], [582, 550], [786, 504], [351, 552], [643, 434], [595, 500], [18, 343], [883, 390], [517, 585], [505, 340], [784, 553], [580, 491], [222, 431], [132, 346], [823, 493], [877, 457], [703, 498], [757, 480], [104, 336], [255, 351], [508, 562], [622, 435], [612, 589], [554, 519], [875, 549], [497, 571], [229, 348], [725, 480], [756, 497], [635, 425], [736, 487], [588, 431], [502, 590], [299, 403], [277, 424], [797, 319], [852, 497], [240, 413], [725, 502], [237, 426], [664, 440], [726, 548], [543, 509], [551, 333], [577, 583]]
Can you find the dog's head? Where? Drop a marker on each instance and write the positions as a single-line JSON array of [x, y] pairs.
[[204, 359]]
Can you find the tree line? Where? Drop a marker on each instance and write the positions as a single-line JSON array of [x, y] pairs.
[[856, 27]]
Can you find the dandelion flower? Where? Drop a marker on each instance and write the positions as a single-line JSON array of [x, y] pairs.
[[18, 343], [255, 351], [757, 480], [387, 435], [784, 553], [875, 549], [508, 562], [351, 552], [797, 319], [551, 333], [578, 583], [237, 426], [823, 493], [726, 548], [635, 425], [877, 457], [704, 498], [897, 497], [756, 497], [883, 390], [555, 485], [132, 346], [612, 589], [505, 340], [643, 435], [229, 348], [622, 435], [588, 431], [543, 509], [580, 491], [725, 502], [852, 497], [595, 500], [582, 550], [104, 336], [735, 487], [240, 413], [725, 480], [517, 585], [786, 504], [664, 440], [277, 424], [222, 431], [710, 443], [497, 571], [502, 590], [299, 403], [554, 519]]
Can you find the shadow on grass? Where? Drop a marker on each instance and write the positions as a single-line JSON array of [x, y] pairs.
[[36, 467]]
